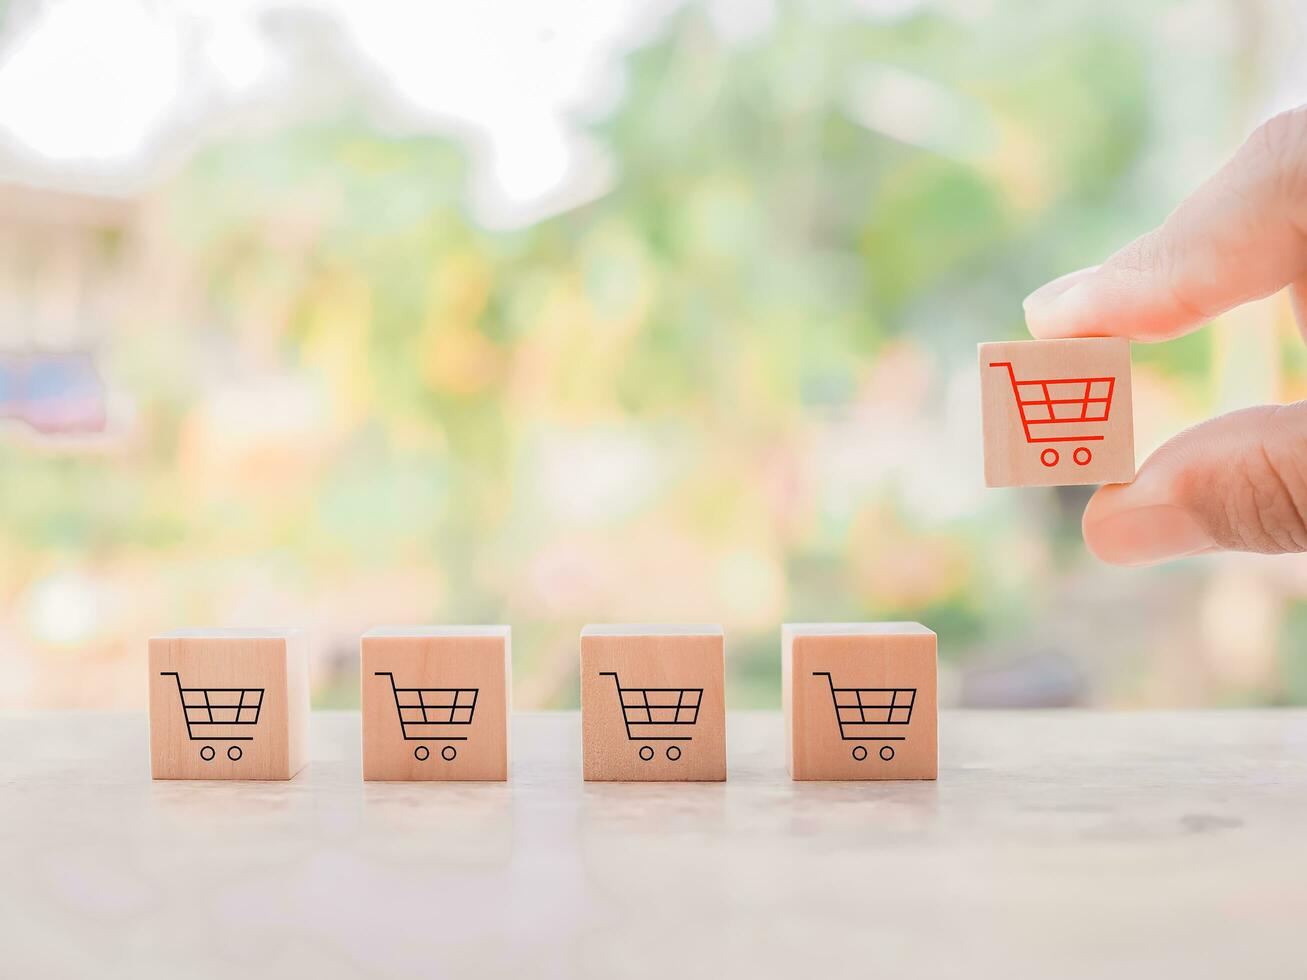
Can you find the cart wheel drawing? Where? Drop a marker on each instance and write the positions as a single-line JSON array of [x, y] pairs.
[[1082, 456], [448, 753], [207, 753], [859, 752], [887, 752], [422, 753], [234, 753], [646, 752], [673, 752], [1049, 457]]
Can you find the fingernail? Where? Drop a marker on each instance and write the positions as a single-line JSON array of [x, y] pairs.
[[1046, 293], [1144, 535], [1058, 308]]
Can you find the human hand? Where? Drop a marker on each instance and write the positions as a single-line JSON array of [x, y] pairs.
[[1237, 482]]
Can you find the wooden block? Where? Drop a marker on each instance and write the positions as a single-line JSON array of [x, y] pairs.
[[859, 700], [653, 703], [436, 702], [1057, 412], [229, 704]]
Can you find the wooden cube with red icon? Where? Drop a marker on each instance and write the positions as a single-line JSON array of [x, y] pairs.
[[1057, 412]]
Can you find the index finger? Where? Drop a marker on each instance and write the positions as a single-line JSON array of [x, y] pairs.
[[1241, 236]]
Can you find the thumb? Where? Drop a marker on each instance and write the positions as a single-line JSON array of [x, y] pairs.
[[1239, 237], [1237, 483]]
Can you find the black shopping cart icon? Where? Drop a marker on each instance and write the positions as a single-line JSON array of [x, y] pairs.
[[218, 714], [863, 713], [657, 714], [433, 714]]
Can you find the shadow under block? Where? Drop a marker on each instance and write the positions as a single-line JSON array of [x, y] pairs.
[[229, 704], [436, 702], [653, 703], [860, 701], [1057, 412]]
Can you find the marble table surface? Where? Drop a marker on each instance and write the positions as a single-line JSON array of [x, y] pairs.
[[1054, 845]]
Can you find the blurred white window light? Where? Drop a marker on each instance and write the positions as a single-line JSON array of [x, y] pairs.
[[93, 93], [515, 80], [88, 81]]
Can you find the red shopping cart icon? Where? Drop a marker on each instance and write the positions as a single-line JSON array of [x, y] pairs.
[[1061, 410]]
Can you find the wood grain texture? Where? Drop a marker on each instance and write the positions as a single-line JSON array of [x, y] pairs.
[[228, 736], [458, 736], [1064, 439], [653, 668], [856, 723]]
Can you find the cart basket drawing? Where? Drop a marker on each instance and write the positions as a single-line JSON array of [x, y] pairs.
[[658, 714], [433, 714], [219, 714], [871, 714], [1060, 410]]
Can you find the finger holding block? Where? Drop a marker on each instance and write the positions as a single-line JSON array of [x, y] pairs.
[[436, 702], [1057, 412], [228, 704], [859, 700], [653, 703]]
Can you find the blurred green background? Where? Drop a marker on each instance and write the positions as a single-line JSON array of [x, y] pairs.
[[338, 314]]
